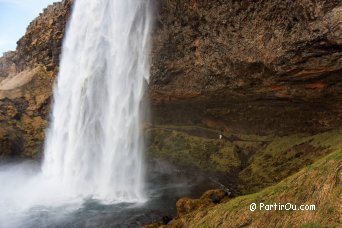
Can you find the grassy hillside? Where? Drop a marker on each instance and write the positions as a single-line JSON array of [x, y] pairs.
[[317, 184], [252, 162]]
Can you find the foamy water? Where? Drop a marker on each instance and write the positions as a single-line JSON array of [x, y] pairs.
[[94, 147]]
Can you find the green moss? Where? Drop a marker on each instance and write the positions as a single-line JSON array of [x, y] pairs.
[[265, 160], [285, 156], [225, 159], [185, 149], [204, 226], [328, 139], [311, 225], [295, 189], [274, 170]]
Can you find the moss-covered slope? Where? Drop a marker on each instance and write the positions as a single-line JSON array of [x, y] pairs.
[[318, 184], [252, 162]]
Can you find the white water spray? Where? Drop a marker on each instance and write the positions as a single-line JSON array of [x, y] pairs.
[[94, 146]]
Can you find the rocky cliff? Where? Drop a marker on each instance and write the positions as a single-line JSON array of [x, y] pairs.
[[43, 39], [26, 79], [265, 75], [260, 66]]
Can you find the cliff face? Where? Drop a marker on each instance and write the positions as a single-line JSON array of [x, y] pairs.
[[24, 102], [7, 65], [43, 39], [256, 67], [258, 46], [26, 79], [260, 66]]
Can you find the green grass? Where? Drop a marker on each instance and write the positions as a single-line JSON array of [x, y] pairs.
[[184, 149], [270, 158], [311, 225], [291, 168], [286, 155], [304, 187]]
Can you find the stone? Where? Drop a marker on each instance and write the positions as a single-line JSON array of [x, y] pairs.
[[262, 67]]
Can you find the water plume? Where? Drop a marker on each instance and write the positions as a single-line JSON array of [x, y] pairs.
[[94, 145]]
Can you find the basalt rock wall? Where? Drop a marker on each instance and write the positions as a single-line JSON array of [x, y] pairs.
[[253, 66], [257, 67]]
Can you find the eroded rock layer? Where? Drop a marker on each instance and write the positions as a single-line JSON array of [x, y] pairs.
[[261, 67], [26, 79]]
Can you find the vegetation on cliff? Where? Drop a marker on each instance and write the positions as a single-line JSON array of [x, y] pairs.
[[251, 162], [317, 184]]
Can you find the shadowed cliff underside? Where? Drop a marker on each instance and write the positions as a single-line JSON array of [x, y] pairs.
[[256, 67]]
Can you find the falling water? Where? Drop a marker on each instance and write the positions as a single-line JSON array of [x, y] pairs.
[[94, 146], [93, 162]]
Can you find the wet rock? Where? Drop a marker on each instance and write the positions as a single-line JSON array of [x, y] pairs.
[[215, 195], [214, 198], [11, 142], [166, 219]]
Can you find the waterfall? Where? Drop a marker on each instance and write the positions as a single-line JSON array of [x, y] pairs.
[[94, 145]]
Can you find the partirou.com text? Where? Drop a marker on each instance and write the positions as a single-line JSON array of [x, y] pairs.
[[281, 207]]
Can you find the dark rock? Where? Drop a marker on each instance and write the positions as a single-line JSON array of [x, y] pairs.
[[11, 142], [166, 219], [258, 67], [214, 198]]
